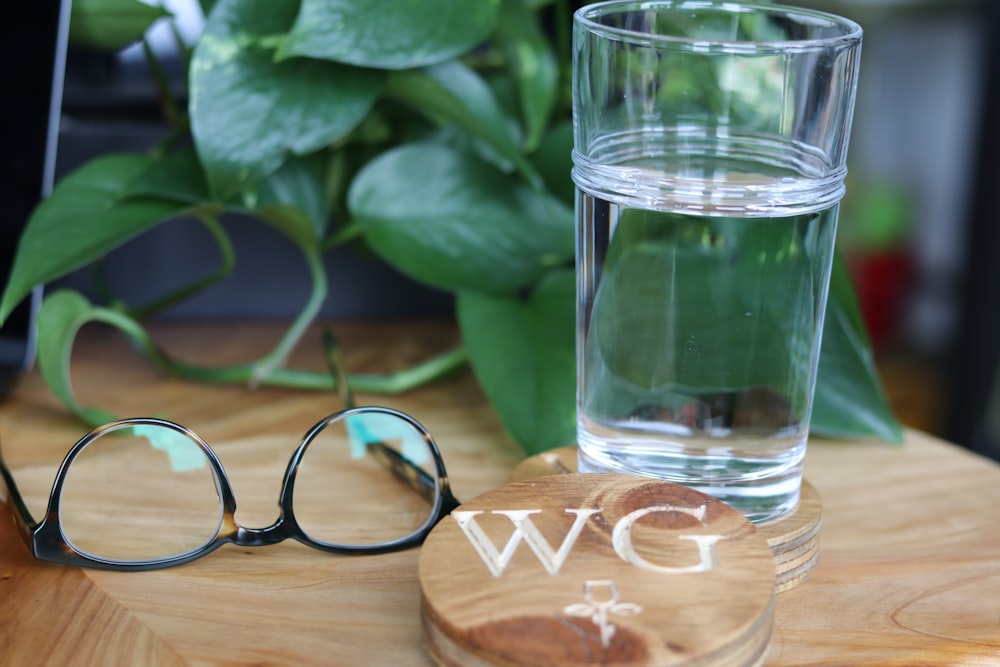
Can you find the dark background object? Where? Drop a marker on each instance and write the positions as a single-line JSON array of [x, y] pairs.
[[975, 369], [33, 58]]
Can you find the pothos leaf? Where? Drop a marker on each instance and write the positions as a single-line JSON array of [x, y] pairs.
[[110, 25], [554, 162], [389, 34], [451, 221], [176, 177], [60, 318], [849, 397], [456, 93], [533, 65], [522, 353], [299, 183], [89, 213], [248, 111]]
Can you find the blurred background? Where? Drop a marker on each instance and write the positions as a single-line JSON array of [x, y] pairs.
[[915, 225]]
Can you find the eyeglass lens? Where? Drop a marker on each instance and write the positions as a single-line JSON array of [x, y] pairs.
[[140, 492], [145, 492], [346, 491]]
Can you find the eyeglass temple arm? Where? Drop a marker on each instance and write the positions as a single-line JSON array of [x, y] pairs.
[[25, 523], [414, 476], [333, 362]]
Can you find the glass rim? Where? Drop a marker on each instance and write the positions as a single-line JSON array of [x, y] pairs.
[[851, 31]]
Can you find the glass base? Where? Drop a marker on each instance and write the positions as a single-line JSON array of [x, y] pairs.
[[761, 489]]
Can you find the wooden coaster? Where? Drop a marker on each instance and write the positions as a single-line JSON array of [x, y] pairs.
[[794, 539], [584, 569]]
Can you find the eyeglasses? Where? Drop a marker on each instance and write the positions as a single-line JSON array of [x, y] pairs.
[[147, 493]]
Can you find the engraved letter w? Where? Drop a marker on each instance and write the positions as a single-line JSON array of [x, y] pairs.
[[523, 528]]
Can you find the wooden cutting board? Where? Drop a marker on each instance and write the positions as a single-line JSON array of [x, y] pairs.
[[909, 572]]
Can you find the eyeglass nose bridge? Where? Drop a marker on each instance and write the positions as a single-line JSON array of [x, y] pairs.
[[242, 536]]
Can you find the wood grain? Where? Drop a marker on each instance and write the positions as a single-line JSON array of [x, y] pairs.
[[909, 572]]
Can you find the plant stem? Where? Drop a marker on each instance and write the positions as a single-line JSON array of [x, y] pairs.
[[276, 359], [392, 383], [349, 232], [227, 264], [176, 119], [396, 382]]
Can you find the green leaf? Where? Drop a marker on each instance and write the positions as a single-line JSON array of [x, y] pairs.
[[61, 316], [300, 183], [292, 221], [110, 25], [390, 34], [88, 214], [702, 305], [453, 222], [532, 64], [177, 177], [207, 6], [849, 397], [248, 111], [523, 356], [554, 160], [874, 216], [454, 92]]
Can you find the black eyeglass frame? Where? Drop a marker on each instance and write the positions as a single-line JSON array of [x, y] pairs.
[[47, 542]]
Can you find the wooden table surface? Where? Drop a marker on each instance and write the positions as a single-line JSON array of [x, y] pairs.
[[909, 572]]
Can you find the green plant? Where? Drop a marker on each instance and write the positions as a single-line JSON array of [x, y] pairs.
[[435, 132]]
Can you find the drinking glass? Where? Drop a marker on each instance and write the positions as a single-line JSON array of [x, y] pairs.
[[710, 142]]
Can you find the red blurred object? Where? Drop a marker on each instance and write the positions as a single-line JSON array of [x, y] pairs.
[[881, 280]]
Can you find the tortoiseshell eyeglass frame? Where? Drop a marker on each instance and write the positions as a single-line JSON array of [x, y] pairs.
[[47, 542]]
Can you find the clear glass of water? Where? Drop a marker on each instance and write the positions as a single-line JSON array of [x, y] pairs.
[[709, 158]]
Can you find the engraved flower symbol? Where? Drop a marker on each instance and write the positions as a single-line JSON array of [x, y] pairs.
[[601, 597]]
